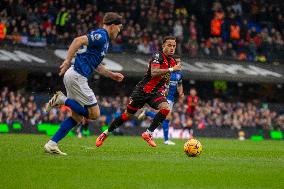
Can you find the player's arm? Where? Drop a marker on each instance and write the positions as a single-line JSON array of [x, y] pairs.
[[75, 45], [180, 91], [166, 91], [101, 69], [155, 63], [157, 71]]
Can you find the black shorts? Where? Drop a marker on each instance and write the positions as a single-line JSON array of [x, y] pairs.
[[139, 98]]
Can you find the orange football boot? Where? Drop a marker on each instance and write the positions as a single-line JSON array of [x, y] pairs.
[[149, 139], [101, 139]]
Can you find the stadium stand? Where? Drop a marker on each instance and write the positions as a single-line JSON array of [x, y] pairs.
[[238, 29], [20, 107]]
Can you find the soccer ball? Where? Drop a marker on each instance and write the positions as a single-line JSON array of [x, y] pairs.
[[192, 148]]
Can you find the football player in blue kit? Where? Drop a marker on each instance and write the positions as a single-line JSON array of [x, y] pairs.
[[175, 85], [90, 50]]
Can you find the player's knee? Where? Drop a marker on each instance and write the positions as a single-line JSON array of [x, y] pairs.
[[77, 118], [165, 111], [169, 117], [164, 108], [164, 105], [127, 115], [130, 110], [94, 115]]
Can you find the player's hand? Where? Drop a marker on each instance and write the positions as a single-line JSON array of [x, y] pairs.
[[64, 67], [117, 77], [166, 92], [177, 67]]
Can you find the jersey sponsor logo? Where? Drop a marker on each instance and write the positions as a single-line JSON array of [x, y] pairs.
[[178, 76], [97, 36], [167, 75], [156, 57], [155, 61], [173, 83]]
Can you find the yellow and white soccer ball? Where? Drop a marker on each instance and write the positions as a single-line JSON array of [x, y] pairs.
[[192, 148]]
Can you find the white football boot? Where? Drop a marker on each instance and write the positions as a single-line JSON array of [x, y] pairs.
[[52, 148], [57, 100], [168, 142], [142, 115]]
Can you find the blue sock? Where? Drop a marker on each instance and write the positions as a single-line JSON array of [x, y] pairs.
[[65, 127], [150, 114], [76, 107], [166, 129]]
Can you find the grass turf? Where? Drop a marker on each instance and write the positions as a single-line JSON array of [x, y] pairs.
[[127, 162]]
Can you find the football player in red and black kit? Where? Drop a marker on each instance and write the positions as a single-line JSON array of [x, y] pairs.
[[150, 91], [192, 101]]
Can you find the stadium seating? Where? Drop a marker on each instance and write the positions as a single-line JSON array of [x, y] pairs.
[[215, 29]]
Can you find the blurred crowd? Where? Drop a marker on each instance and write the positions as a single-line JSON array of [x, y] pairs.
[[211, 113], [17, 106], [240, 29]]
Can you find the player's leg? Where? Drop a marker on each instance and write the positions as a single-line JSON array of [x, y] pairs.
[[191, 116], [166, 125], [76, 107], [191, 133], [57, 100], [145, 112], [157, 102], [117, 122], [150, 114], [85, 127], [93, 112], [81, 98], [137, 100], [82, 128], [60, 99], [79, 130], [51, 146], [78, 94]]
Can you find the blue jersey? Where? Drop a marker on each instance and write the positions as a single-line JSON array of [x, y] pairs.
[[89, 57], [175, 80]]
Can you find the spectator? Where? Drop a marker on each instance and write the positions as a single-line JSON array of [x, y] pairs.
[[20, 107], [143, 47], [239, 24], [3, 30]]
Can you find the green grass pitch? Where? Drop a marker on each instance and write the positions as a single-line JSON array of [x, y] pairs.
[[128, 162]]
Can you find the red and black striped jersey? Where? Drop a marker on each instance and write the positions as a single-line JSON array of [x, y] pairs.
[[151, 84]]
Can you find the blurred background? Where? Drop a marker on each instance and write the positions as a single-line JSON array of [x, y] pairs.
[[232, 53]]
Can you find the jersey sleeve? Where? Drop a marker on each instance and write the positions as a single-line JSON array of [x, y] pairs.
[[156, 60], [96, 39]]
